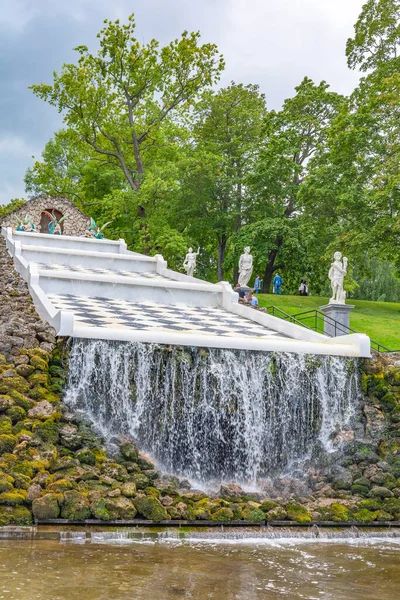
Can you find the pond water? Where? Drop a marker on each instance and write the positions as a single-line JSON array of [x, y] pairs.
[[114, 567]]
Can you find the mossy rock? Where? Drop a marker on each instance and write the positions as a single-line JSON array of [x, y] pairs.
[[40, 353], [75, 506], [298, 513], [114, 509], [6, 402], [237, 511], [128, 489], [25, 370], [276, 514], [46, 507], [115, 471], [15, 515], [16, 413], [57, 385], [39, 363], [202, 514], [268, 505], [141, 481], [392, 505], [253, 514], [150, 508], [7, 443], [13, 498], [21, 481], [339, 512], [60, 486], [144, 463], [129, 451], [384, 516], [21, 400], [17, 383], [38, 378], [365, 516], [6, 483], [5, 425], [372, 505], [56, 370], [86, 457], [359, 490], [380, 492], [152, 491], [47, 430], [223, 515], [100, 511], [23, 466]]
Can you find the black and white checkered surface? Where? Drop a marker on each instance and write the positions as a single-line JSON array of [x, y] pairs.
[[148, 316], [97, 271]]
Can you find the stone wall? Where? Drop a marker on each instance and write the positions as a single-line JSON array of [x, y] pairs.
[[75, 224]]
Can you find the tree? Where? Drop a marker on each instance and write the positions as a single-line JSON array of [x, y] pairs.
[[12, 205], [115, 100], [376, 35], [293, 136], [214, 196]]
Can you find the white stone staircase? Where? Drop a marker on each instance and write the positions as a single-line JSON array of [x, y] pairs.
[[90, 288]]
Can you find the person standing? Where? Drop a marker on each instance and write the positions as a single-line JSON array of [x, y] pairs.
[[277, 284], [257, 284], [305, 291], [301, 288]]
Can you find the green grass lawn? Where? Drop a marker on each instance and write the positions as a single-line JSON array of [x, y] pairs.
[[379, 320]]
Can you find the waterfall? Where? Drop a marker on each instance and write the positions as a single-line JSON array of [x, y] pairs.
[[213, 414]]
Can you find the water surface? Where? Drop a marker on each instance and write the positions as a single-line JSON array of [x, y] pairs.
[[112, 567]]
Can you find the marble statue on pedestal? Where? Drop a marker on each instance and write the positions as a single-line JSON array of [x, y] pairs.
[[245, 267], [337, 273], [189, 264]]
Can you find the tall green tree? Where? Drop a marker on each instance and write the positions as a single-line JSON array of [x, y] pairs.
[[117, 98], [214, 199], [293, 136]]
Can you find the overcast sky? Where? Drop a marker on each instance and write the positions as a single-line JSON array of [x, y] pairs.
[[273, 43]]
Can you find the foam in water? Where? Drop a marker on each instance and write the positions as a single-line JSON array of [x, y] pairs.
[[213, 414]]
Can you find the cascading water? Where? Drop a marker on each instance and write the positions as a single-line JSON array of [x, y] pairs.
[[213, 414]]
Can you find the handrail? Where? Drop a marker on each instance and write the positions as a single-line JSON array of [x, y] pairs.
[[318, 316]]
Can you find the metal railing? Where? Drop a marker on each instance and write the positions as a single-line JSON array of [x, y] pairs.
[[315, 320]]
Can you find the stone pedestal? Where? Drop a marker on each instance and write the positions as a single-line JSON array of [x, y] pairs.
[[339, 313]]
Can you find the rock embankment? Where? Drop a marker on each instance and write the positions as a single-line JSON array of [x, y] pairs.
[[53, 465]]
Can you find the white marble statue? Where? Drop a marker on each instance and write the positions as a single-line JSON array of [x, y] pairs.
[[337, 273], [189, 264], [245, 267]]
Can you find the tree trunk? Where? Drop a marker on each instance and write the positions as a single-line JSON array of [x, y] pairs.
[[270, 268], [221, 255]]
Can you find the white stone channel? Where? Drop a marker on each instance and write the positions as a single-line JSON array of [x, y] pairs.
[[98, 289]]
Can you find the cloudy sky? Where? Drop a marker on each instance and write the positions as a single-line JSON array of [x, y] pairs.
[[274, 43]]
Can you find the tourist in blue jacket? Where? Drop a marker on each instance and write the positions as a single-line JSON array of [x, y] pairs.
[[277, 284], [257, 284]]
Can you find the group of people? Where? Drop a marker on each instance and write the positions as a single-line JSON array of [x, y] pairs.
[[249, 298]]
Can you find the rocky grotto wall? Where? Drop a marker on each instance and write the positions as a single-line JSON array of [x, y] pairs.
[[52, 464]]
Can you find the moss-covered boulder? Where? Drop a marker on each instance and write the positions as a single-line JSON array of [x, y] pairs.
[[364, 516], [276, 514], [141, 481], [74, 506], [5, 403], [14, 497], [113, 509], [60, 486], [339, 512], [128, 489], [255, 515], [380, 492], [129, 451], [223, 515], [298, 513], [46, 507], [150, 508], [7, 443], [6, 483], [15, 515]]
